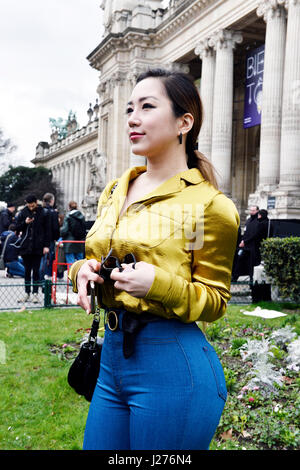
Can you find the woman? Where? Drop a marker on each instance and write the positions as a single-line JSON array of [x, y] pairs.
[[163, 386]]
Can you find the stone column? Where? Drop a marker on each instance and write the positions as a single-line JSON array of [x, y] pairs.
[[54, 173], [275, 17], [207, 55], [224, 43], [81, 180], [62, 184], [119, 144], [75, 181], [68, 184], [290, 131], [59, 177], [71, 179], [86, 173]]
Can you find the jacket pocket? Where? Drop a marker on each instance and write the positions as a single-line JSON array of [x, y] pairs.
[[150, 228], [217, 370]]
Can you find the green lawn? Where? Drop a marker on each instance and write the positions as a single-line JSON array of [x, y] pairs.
[[40, 411], [38, 408]]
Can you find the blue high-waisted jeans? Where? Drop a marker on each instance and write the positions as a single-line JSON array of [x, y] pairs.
[[169, 394]]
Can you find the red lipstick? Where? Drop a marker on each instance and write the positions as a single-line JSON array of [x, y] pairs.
[[135, 135]]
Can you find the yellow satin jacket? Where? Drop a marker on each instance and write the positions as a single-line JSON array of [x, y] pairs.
[[186, 228]]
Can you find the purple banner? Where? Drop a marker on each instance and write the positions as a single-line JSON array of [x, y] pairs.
[[253, 86]]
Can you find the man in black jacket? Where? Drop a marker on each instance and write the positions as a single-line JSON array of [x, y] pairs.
[[33, 222], [47, 261]]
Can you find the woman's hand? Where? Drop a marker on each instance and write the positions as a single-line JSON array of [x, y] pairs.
[[135, 282], [87, 273]]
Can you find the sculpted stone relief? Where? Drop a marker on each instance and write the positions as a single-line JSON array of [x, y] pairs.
[[97, 177]]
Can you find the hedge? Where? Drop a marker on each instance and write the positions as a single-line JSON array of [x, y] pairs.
[[281, 258]]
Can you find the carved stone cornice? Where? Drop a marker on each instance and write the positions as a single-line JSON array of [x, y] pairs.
[[181, 15], [114, 43], [171, 23]]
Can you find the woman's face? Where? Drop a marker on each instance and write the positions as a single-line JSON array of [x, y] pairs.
[[151, 124]]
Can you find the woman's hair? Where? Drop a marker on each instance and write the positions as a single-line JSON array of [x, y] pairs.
[[185, 98], [72, 205]]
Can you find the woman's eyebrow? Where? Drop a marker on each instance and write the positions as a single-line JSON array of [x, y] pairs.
[[143, 99]]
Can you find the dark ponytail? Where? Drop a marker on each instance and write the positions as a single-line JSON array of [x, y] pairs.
[[185, 98]]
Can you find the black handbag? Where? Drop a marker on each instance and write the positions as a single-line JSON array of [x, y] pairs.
[[84, 371]]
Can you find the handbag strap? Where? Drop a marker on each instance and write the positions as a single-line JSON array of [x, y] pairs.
[[4, 246], [95, 308], [96, 311]]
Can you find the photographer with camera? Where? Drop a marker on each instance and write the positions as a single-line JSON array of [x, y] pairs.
[[33, 223]]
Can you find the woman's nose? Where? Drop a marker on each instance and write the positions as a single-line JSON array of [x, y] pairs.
[[133, 119]]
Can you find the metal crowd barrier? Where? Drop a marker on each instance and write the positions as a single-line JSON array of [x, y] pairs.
[[59, 263], [11, 293]]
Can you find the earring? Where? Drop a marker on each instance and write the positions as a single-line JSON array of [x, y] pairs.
[[180, 138]]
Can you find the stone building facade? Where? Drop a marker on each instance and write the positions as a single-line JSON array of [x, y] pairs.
[[77, 166], [212, 39]]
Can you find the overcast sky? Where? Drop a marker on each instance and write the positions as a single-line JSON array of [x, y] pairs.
[[43, 68]]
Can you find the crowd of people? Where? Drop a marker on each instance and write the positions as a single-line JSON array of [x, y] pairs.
[[28, 239]]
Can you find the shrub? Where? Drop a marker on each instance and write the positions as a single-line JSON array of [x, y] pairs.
[[281, 257]]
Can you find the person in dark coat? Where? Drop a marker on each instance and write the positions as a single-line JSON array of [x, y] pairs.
[[265, 228], [33, 223], [13, 262], [235, 263], [249, 254], [7, 217], [48, 258], [69, 231]]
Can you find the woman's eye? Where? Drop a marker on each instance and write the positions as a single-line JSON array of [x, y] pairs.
[[147, 105], [129, 110]]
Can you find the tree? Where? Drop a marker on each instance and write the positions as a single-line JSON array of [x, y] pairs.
[[20, 181], [6, 145]]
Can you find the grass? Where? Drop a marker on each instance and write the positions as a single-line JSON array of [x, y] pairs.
[[39, 411], [38, 408]]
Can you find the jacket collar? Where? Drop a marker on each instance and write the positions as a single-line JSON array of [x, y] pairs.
[[173, 184]]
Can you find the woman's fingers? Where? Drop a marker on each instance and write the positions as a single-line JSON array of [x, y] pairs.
[[135, 281], [86, 274]]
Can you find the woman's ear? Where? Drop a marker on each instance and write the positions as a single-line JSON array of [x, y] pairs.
[[185, 123]]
